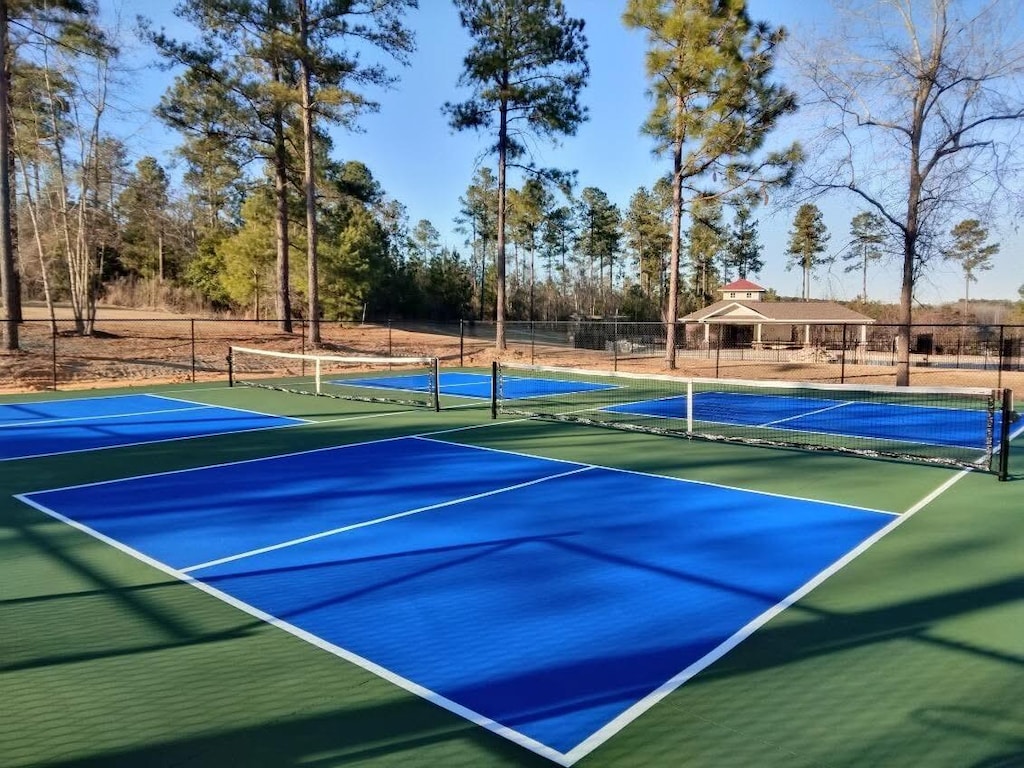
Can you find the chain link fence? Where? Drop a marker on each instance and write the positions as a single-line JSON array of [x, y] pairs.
[[953, 355], [149, 351]]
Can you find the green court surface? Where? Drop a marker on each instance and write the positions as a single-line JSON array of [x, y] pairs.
[[910, 655]]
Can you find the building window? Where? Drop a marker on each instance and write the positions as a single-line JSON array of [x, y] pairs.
[[748, 295]]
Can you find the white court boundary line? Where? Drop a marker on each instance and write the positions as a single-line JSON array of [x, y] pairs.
[[295, 422], [424, 693], [126, 415], [612, 727]]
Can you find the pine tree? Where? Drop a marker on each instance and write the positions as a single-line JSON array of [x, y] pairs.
[[598, 238], [478, 219], [646, 231], [867, 234], [143, 204], [969, 250], [705, 245], [744, 247], [807, 241], [710, 69], [526, 68]]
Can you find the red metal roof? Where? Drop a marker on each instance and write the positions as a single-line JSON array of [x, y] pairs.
[[742, 285]]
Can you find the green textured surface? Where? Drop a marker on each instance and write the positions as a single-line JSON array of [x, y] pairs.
[[912, 655]]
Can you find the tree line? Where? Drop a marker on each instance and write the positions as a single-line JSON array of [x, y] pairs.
[[269, 221]]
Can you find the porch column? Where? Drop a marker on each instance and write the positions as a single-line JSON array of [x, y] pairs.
[[807, 335], [707, 334]]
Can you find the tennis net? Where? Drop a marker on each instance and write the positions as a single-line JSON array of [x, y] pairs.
[[963, 427], [400, 380]]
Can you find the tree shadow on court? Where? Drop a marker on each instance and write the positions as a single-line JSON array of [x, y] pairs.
[[331, 713], [407, 732]]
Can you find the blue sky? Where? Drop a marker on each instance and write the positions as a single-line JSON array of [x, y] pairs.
[[418, 159]]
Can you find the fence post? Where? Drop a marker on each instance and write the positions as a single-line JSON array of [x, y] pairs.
[[193, 322], [615, 345], [462, 343], [718, 350], [999, 362], [842, 358], [389, 337], [53, 353]]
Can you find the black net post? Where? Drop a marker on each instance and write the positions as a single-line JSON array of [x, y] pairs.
[[435, 371], [494, 389], [231, 368], [1004, 434]]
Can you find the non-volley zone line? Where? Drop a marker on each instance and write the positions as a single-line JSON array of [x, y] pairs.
[[50, 428], [548, 601]]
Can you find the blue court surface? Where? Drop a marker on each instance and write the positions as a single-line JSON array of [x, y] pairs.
[[551, 602], [925, 425], [66, 426], [477, 385]]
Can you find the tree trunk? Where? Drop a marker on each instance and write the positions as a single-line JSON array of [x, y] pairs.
[[910, 235], [864, 277], [309, 173], [672, 305], [499, 257], [8, 279], [284, 306]]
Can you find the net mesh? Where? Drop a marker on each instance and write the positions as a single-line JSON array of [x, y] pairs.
[[952, 426], [400, 380]]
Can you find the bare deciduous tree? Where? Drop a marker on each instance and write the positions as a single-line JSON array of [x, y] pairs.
[[921, 103]]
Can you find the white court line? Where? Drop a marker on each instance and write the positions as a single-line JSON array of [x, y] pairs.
[[69, 419], [599, 737], [305, 452], [808, 413], [716, 419], [230, 408], [79, 398], [613, 727], [375, 521], [382, 672], [620, 470], [295, 422]]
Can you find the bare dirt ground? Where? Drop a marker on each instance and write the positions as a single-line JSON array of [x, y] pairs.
[[135, 347]]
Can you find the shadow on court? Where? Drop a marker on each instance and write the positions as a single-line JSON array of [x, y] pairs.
[[107, 663], [154, 673]]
